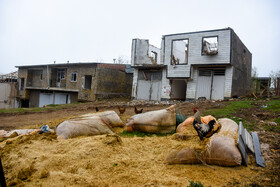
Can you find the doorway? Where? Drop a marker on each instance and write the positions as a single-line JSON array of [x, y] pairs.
[[211, 84], [149, 85], [178, 89]]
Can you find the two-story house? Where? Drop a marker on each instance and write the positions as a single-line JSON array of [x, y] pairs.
[[211, 64], [41, 85]]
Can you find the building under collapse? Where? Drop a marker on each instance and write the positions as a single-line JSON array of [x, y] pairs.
[[211, 64]]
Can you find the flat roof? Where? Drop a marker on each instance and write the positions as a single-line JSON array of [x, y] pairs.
[[228, 28], [68, 64]]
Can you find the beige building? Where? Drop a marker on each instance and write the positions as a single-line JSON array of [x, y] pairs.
[[41, 85]]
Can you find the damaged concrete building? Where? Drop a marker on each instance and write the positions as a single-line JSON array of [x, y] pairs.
[[41, 85], [8, 90], [212, 64]]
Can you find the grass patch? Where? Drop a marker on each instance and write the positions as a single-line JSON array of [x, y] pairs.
[[273, 105], [38, 109], [228, 110], [195, 184], [141, 134]]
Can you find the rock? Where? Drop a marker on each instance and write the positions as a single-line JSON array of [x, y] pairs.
[[272, 123]]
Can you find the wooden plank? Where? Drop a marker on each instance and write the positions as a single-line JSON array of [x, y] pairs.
[[258, 153]]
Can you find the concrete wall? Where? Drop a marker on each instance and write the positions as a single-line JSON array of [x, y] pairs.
[[141, 53], [195, 56], [111, 80], [112, 83], [22, 73], [134, 84], [8, 92], [34, 98], [241, 60]]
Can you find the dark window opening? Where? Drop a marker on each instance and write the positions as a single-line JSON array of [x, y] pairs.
[[178, 89], [219, 72], [179, 54], [41, 75], [60, 75], [21, 84], [154, 56], [88, 80], [206, 73], [73, 77], [24, 103], [210, 45], [149, 75]]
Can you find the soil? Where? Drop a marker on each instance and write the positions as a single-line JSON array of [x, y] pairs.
[[106, 160]]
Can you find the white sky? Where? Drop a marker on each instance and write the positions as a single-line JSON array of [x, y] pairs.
[[43, 31]]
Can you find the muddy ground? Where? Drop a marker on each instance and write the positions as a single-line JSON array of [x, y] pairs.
[[41, 160]]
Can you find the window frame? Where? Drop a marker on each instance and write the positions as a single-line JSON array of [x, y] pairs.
[[41, 75], [85, 82], [76, 76], [212, 36], [21, 86], [185, 50]]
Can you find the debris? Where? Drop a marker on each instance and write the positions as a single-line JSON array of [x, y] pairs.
[[272, 123], [258, 153], [241, 143], [45, 128]]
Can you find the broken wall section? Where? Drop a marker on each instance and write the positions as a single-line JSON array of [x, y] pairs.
[[112, 81], [8, 93], [142, 53]]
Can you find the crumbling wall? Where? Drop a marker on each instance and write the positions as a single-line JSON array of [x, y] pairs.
[[8, 93], [79, 84], [142, 53], [112, 82], [22, 73], [241, 60]]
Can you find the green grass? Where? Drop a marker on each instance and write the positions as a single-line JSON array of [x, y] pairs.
[[141, 134], [229, 110], [37, 109], [273, 105], [195, 184]]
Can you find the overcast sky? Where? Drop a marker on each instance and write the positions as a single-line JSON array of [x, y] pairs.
[[43, 31]]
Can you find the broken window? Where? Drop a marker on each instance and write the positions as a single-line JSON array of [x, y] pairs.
[[179, 53], [153, 56], [88, 79], [73, 77], [21, 84], [210, 45], [60, 75]]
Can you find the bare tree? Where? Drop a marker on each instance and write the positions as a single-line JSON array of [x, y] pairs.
[[122, 60], [254, 73]]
